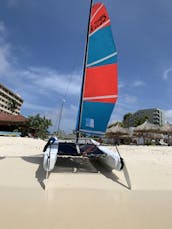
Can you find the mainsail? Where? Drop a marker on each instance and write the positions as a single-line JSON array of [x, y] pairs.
[[99, 92]]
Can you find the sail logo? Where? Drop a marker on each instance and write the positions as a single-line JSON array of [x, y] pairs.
[[89, 122], [98, 23]]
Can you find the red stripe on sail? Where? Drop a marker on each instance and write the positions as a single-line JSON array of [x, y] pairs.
[[101, 81], [100, 18]]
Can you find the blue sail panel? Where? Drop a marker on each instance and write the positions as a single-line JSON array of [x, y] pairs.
[[93, 120], [101, 46]]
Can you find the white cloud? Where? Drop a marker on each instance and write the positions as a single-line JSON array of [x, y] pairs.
[[135, 83], [130, 99], [138, 83], [52, 80], [166, 73], [168, 115], [121, 85]]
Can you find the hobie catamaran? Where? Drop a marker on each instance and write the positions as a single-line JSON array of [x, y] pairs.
[[98, 96]]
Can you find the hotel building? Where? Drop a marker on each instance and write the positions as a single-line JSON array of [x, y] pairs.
[[154, 115], [10, 102]]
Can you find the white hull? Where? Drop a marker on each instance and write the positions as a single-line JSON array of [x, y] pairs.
[[111, 159], [50, 156]]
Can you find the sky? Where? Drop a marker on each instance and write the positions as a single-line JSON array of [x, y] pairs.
[[42, 49]]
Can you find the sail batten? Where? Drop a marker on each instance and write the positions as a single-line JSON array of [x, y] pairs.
[[100, 91], [102, 59], [100, 97]]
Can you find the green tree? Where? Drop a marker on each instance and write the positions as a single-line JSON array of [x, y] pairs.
[[38, 126], [140, 121], [126, 119]]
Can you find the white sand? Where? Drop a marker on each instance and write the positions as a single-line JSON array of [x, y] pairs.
[[78, 195]]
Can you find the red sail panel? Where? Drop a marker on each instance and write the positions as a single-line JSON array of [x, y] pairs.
[[101, 84], [99, 17]]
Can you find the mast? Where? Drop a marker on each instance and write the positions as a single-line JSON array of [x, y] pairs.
[[83, 76]]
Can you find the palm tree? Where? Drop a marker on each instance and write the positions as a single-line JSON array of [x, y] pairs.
[[139, 121], [126, 119], [38, 126]]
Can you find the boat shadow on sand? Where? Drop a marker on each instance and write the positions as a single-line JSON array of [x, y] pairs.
[[40, 173], [71, 165]]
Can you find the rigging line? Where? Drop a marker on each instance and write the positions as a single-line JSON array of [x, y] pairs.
[[59, 116], [67, 87]]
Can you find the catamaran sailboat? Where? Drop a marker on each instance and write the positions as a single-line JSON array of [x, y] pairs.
[[98, 96]]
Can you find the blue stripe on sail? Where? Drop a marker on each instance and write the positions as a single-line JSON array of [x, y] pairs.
[[101, 44], [95, 116]]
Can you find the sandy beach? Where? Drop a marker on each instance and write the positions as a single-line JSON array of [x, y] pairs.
[[80, 194]]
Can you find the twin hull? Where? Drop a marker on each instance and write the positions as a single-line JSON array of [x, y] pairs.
[[108, 158]]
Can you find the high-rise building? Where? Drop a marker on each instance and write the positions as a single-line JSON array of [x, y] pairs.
[[153, 115], [10, 102]]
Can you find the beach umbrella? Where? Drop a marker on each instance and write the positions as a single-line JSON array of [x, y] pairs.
[[167, 130], [117, 132], [144, 130], [147, 127]]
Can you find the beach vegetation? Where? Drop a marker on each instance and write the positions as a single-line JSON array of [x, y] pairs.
[[126, 119], [139, 121], [37, 126]]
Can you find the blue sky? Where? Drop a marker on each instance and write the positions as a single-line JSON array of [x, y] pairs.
[[42, 47]]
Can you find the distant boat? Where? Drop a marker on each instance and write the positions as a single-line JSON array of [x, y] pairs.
[[99, 92]]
